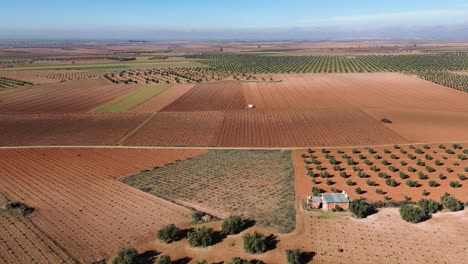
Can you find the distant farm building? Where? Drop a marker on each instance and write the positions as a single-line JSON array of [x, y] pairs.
[[328, 201]]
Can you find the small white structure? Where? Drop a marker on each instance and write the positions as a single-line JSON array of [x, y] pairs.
[[250, 106]]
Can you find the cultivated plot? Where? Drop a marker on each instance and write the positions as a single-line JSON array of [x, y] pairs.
[[257, 184], [78, 202]]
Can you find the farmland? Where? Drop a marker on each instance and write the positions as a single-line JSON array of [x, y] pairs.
[[69, 189], [72, 96], [132, 99], [384, 173], [110, 142], [256, 184]]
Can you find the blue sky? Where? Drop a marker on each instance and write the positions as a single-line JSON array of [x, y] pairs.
[[132, 18]]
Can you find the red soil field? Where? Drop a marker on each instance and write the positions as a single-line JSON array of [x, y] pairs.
[[179, 129], [35, 77], [71, 96], [322, 127], [22, 242], [66, 129], [78, 202], [223, 95], [397, 193], [160, 101]]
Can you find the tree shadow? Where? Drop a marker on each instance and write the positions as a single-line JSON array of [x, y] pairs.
[[183, 234], [248, 223], [271, 242], [307, 257], [218, 237], [147, 257], [184, 260]]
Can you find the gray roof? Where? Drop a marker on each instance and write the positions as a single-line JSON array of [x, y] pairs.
[[334, 198], [314, 199]]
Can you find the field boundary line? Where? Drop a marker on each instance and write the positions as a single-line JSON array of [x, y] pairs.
[[121, 141], [240, 148]]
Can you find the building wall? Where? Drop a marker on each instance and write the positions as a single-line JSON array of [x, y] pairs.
[[330, 206]]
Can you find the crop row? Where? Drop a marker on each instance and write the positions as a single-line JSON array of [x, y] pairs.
[[11, 83], [246, 63], [452, 80]]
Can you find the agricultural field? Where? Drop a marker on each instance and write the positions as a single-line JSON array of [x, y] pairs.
[[67, 129], [71, 96], [7, 83], [132, 99], [246, 63], [393, 173], [257, 184], [166, 98], [79, 204]]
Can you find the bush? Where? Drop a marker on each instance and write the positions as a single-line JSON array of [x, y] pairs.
[[412, 183], [125, 256], [412, 213], [422, 176], [385, 162], [237, 260], [433, 183], [454, 184], [164, 259], [379, 191], [411, 169], [430, 169], [293, 256], [255, 243], [371, 183], [438, 162], [391, 182], [201, 237], [429, 206], [441, 146], [358, 190], [461, 177], [402, 175], [168, 233], [201, 262], [361, 208], [348, 182], [451, 203], [425, 193], [442, 176], [316, 191], [232, 225], [392, 168], [449, 151]]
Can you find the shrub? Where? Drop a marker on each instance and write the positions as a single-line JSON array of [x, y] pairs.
[[168, 233], [371, 183], [391, 182], [421, 175], [316, 191], [356, 151], [402, 163], [125, 256], [402, 175], [325, 151], [465, 151], [441, 146], [343, 175], [419, 151], [329, 182], [303, 156], [396, 146], [402, 151], [419, 162], [367, 162], [438, 163], [374, 168], [433, 183], [371, 150], [377, 156], [412, 213], [348, 182], [449, 151], [237, 260], [164, 259], [428, 157], [392, 168], [293, 256], [232, 225], [393, 156], [362, 156], [449, 170], [412, 183], [442, 176], [461, 157], [386, 151], [429, 206], [324, 174], [362, 174], [454, 184], [379, 191], [358, 190], [411, 169], [461, 177], [337, 168], [361, 208], [451, 203], [383, 175], [385, 162], [425, 146], [201, 237], [456, 146], [411, 156], [411, 147], [255, 243], [425, 193], [466, 169]]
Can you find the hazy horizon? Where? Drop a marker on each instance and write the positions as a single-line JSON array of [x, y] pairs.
[[231, 20]]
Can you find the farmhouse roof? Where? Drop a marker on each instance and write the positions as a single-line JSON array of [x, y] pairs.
[[314, 199], [335, 198]]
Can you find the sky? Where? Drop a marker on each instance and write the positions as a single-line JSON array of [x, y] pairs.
[[212, 19]]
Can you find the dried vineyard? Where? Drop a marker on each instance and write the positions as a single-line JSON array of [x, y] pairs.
[[255, 183], [6, 83]]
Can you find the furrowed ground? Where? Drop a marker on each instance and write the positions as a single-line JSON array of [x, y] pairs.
[[80, 204], [257, 184]]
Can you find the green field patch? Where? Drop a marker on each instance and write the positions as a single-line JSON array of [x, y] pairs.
[[132, 99]]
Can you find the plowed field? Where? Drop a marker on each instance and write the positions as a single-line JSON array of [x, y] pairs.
[[78, 202], [179, 129], [72, 96], [165, 98], [66, 129], [224, 95]]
